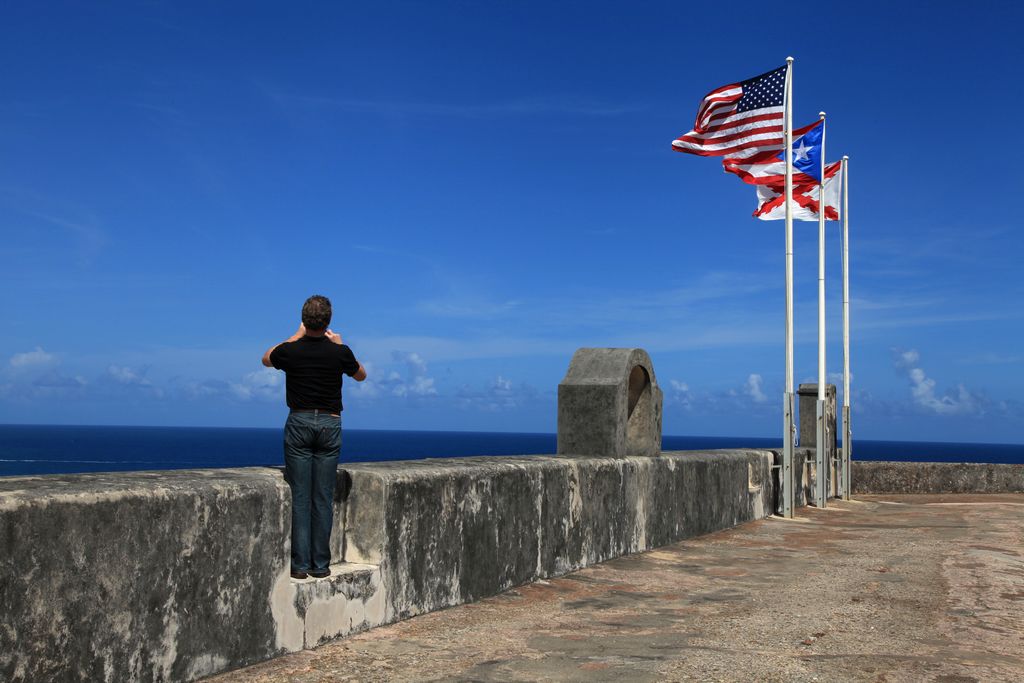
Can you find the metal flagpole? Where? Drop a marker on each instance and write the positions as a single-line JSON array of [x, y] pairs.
[[821, 470], [788, 431], [847, 432]]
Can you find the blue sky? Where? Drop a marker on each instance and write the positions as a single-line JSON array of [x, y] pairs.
[[482, 188]]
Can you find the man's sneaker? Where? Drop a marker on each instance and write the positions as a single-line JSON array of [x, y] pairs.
[[320, 573], [299, 575]]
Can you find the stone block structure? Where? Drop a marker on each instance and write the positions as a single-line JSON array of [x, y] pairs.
[[808, 397], [609, 405]]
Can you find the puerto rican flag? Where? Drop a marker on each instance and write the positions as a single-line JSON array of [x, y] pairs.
[[771, 206], [769, 168], [739, 119]]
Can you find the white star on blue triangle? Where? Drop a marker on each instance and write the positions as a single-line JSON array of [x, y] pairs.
[[807, 153]]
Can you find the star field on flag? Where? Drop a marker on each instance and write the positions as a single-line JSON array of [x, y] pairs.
[[739, 119]]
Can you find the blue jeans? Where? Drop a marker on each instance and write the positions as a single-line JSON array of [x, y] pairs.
[[312, 442]]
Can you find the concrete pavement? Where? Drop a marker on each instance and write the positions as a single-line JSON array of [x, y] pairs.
[[885, 588]]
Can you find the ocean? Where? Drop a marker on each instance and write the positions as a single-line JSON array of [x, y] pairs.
[[52, 449]]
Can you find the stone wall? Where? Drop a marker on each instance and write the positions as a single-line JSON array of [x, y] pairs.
[[935, 477], [170, 576], [453, 531], [142, 575]]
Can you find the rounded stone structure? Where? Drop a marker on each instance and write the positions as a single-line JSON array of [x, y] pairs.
[[609, 404]]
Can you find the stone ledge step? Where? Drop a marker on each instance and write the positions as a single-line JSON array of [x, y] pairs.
[[341, 571], [349, 600], [347, 579]]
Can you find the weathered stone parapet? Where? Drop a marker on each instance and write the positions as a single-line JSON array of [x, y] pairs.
[[140, 576], [453, 531], [170, 576], [935, 477], [609, 405], [160, 576]]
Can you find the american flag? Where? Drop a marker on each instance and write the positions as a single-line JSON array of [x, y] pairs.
[[739, 119]]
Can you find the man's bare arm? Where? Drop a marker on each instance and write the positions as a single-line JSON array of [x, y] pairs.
[[360, 374], [295, 337]]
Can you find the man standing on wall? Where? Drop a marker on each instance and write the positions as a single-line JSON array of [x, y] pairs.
[[313, 360]]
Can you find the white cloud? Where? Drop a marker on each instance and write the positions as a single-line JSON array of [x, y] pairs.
[[418, 383], [750, 396], [262, 384], [836, 378], [199, 390], [131, 379], [753, 388], [680, 393], [414, 382], [126, 375], [417, 366], [418, 386], [51, 384], [37, 374], [906, 358], [369, 388], [922, 389], [499, 394], [33, 359]]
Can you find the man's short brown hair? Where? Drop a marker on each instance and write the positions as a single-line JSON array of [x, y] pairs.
[[316, 312]]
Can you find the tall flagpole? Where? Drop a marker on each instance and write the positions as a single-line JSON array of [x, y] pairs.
[[788, 431], [821, 471], [847, 432]]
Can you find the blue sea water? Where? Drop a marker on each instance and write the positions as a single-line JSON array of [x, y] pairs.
[[50, 449]]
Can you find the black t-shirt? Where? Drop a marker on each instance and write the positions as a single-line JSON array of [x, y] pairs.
[[313, 367]]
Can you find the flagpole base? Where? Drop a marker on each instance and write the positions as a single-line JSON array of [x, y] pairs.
[[786, 472], [847, 452], [821, 459]]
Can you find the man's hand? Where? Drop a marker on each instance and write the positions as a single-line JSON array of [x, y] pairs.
[[299, 334], [333, 336]]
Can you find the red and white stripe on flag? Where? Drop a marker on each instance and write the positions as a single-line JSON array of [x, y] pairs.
[[739, 119], [771, 206], [767, 168]]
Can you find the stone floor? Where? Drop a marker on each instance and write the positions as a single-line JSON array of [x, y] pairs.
[[885, 588]]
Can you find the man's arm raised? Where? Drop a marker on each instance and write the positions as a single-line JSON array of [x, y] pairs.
[[360, 374], [295, 337]]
